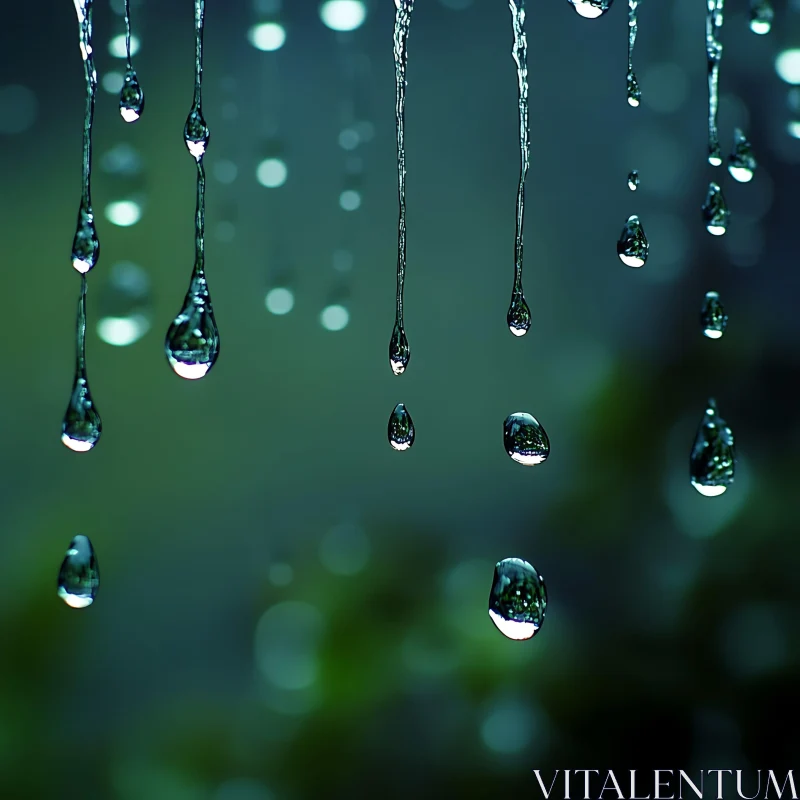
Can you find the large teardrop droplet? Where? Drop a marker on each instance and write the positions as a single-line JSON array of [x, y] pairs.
[[741, 163], [715, 211], [761, 16], [591, 9], [85, 245], [192, 343], [519, 314], [712, 461], [131, 98], [518, 599], [525, 439], [82, 426], [401, 428], [79, 576], [399, 351], [632, 246], [713, 318], [196, 133]]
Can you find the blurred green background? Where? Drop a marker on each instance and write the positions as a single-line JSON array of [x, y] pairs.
[[289, 608]]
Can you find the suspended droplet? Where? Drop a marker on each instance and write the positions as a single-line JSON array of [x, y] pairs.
[[714, 19], [85, 245], [79, 576], [192, 343], [634, 91], [196, 133], [713, 317], [519, 315], [399, 351], [632, 246], [131, 98], [525, 439], [82, 426], [761, 16], [633, 180], [401, 428], [741, 163], [715, 210], [712, 461], [518, 599], [591, 9]]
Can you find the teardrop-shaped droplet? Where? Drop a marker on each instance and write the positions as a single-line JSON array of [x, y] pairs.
[[518, 599], [715, 210], [196, 133], [82, 426], [634, 91], [712, 461], [633, 180], [591, 9], [399, 351], [632, 246], [79, 576], [401, 428], [85, 245], [192, 343], [741, 163], [525, 439], [519, 315], [131, 98], [713, 318], [761, 16]]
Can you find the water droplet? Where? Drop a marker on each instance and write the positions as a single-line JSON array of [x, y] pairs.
[[591, 9], [633, 180], [634, 91], [196, 133], [82, 426], [741, 163], [399, 351], [131, 98], [519, 315], [715, 210], [713, 317], [401, 428], [518, 599], [192, 343], [632, 246], [714, 19], [79, 576], [85, 245], [525, 439], [712, 461], [761, 16]]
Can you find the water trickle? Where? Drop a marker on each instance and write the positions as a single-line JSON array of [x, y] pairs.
[[401, 428], [525, 440], [713, 318], [714, 9], [519, 315], [518, 599], [591, 9], [634, 92], [633, 246], [399, 351], [79, 576], [761, 16], [741, 162], [633, 180], [131, 96], [715, 211], [712, 461]]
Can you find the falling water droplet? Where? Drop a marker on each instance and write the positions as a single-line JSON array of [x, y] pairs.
[[192, 343], [131, 98], [712, 461], [525, 440], [634, 92], [715, 210], [591, 9], [518, 599], [633, 180], [713, 318], [79, 576], [761, 16], [632, 246], [85, 245], [401, 428], [519, 314], [741, 163], [399, 352], [714, 11]]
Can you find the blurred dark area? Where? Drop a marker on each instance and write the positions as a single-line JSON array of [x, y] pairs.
[[288, 608]]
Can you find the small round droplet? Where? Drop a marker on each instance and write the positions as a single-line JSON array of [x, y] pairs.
[[633, 180], [79, 576], [519, 314], [401, 428], [761, 16], [713, 318], [192, 343], [85, 245], [82, 426], [518, 599], [196, 133], [399, 351], [715, 211], [741, 163], [633, 246], [525, 439], [591, 9], [131, 98], [712, 462], [634, 91]]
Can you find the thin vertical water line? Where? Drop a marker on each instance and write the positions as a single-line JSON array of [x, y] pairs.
[[714, 19], [633, 90], [80, 334], [197, 104], [128, 34]]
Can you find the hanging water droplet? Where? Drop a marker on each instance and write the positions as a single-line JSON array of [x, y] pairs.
[[192, 343], [399, 351], [712, 461], [79, 576], [632, 246], [714, 19], [633, 180], [518, 599], [741, 163], [131, 98], [82, 426], [519, 314], [196, 133], [591, 9], [761, 16], [715, 210], [401, 428], [525, 439], [713, 317], [85, 245], [634, 91]]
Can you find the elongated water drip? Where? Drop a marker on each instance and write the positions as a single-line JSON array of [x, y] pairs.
[[634, 92], [714, 56], [131, 96], [399, 351], [519, 314], [712, 462]]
